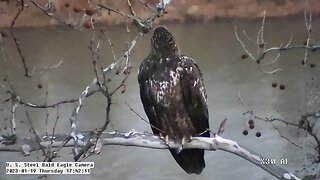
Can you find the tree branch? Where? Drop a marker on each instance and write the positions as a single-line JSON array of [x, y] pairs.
[[147, 140]]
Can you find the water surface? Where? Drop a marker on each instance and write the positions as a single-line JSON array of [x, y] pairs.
[[218, 54]]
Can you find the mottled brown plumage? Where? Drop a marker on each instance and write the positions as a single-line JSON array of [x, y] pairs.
[[174, 98]]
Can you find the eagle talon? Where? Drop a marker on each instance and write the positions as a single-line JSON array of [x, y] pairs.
[[167, 139], [183, 142]]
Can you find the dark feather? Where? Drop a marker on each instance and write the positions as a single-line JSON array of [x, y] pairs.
[[174, 97], [195, 100]]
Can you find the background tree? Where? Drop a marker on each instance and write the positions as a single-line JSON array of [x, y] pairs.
[[110, 79]]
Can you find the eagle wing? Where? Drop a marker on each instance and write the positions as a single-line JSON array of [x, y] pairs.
[[147, 101], [194, 95], [194, 102]]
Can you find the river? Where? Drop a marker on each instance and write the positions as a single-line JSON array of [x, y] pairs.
[[218, 54]]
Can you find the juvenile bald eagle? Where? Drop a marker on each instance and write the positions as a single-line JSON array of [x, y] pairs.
[[174, 97]]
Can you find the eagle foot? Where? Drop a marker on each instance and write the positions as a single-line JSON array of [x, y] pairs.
[[183, 141], [167, 139]]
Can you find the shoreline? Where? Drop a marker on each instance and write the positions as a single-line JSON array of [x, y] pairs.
[[182, 11], [168, 22]]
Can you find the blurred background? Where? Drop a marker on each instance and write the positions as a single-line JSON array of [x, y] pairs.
[[205, 31], [178, 11]]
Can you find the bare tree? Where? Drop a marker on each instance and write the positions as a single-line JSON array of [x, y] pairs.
[[308, 122], [90, 142]]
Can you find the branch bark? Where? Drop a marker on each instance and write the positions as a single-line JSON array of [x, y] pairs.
[[147, 140]]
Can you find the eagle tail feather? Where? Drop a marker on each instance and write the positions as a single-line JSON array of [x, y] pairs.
[[190, 160]]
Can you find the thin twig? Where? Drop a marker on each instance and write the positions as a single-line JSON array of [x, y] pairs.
[[275, 127], [110, 43], [130, 108], [15, 39], [54, 105], [50, 14], [101, 6], [243, 45]]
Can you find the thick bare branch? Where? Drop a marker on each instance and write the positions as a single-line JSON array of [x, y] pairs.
[[147, 140]]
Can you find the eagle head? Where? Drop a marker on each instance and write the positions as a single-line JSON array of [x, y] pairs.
[[162, 42]]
